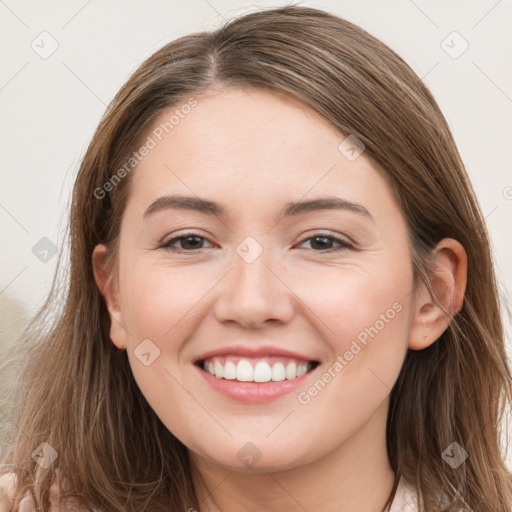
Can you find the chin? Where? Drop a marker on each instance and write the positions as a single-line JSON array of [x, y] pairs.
[[252, 460]]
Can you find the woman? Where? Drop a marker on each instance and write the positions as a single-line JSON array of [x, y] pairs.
[[337, 327]]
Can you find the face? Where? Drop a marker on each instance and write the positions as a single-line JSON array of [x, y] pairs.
[[263, 285]]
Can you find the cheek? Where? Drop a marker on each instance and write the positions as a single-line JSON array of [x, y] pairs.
[[359, 303], [365, 321], [156, 299]]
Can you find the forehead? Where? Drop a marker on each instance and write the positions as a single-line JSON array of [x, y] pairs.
[[239, 145]]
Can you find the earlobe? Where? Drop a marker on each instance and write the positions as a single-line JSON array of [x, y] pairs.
[[106, 284], [434, 311]]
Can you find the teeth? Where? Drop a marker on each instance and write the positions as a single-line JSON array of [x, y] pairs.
[[302, 369], [219, 369], [230, 371], [244, 371], [262, 371], [278, 372], [291, 370]]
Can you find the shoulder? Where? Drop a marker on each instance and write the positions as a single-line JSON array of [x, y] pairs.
[[8, 493]]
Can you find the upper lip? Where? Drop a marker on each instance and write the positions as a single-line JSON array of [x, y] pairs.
[[253, 351]]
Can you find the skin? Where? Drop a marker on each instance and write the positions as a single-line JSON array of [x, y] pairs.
[[253, 151]]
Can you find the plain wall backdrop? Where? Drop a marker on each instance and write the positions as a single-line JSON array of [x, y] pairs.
[[62, 63]]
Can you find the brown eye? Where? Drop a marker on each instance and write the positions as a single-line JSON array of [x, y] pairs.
[[324, 243], [190, 242]]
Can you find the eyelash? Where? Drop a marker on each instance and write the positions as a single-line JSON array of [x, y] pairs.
[[344, 245]]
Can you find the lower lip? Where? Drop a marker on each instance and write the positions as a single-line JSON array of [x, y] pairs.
[[253, 392]]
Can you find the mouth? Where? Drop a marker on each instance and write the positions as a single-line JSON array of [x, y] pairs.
[[256, 369]]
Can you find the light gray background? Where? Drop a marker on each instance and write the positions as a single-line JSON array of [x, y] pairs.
[[50, 106]]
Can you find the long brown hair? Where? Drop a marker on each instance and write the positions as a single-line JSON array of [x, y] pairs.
[[77, 392]]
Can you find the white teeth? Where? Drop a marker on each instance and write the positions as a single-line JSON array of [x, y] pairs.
[[291, 370], [278, 372], [263, 371], [230, 371], [219, 369], [244, 371], [302, 369]]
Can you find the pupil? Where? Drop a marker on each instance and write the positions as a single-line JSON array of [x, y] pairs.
[[325, 239], [196, 238]]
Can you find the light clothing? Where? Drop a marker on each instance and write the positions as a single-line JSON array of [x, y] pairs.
[[8, 488], [405, 498]]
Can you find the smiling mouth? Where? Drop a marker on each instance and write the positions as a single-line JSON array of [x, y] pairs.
[[258, 370]]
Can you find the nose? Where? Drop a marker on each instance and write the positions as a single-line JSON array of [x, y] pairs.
[[254, 292]]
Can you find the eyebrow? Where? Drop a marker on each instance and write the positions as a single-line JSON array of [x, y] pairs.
[[212, 208]]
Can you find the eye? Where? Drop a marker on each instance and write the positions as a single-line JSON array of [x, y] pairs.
[[323, 240], [190, 242]]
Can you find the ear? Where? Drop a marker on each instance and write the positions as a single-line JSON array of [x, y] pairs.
[[449, 284], [106, 283]]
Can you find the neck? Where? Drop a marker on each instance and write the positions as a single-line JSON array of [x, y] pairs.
[[354, 477]]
